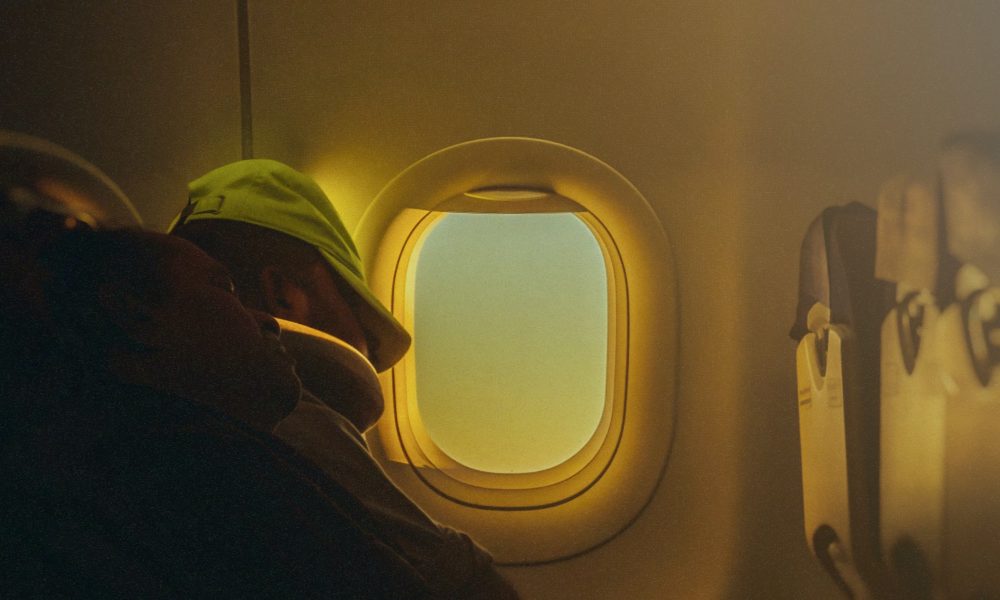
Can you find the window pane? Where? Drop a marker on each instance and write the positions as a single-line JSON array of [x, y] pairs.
[[511, 338]]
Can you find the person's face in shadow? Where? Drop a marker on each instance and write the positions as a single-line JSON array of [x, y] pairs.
[[316, 299], [203, 344]]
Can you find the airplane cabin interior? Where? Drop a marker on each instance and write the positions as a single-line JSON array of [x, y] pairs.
[[703, 296]]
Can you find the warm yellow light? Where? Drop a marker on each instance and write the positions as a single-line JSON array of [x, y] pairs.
[[507, 195], [511, 337]]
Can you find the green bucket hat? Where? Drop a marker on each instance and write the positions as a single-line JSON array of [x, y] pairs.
[[273, 195]]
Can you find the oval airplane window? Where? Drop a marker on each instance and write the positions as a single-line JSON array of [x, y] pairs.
[[532, 411], [510, 338]]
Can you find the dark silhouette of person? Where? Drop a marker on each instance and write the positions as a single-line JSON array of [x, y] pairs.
[[134, 455], [292, 257]]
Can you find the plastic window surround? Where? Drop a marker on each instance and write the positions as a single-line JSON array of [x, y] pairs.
[[593, 496], [404, 438]]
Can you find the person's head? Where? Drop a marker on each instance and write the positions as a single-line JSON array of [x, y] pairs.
[[284, 241], [282, 276], [45, 191], [154, 310]]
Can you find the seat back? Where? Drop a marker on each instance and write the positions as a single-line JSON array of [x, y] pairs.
[[912, 400], [841, 306], [969, 337]]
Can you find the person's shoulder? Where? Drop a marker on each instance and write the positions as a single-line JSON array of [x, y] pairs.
[[311, 418]]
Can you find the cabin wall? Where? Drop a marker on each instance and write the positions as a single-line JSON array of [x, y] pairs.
[[148, 91], [738, 123]]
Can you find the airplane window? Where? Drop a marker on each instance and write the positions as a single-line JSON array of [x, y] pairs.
[[535, 407], [511, 337]]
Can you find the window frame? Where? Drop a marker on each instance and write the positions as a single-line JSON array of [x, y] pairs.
[[523, 523], [401, 431]]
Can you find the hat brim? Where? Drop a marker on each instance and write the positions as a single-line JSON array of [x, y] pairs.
[[388, 338]]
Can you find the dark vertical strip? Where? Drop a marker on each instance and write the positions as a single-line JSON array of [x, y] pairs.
[[246, 107]]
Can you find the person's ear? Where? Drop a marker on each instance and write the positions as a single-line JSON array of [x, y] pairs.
[[283, 297]]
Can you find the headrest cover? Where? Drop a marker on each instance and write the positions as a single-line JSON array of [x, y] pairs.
[[970, 185], [908, 251], [837, 269]]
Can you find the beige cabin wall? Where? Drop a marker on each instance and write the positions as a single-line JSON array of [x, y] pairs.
[[148, 91], [738, 123]]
